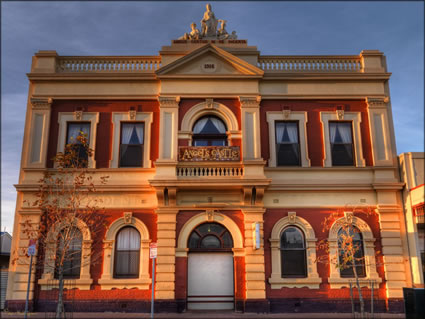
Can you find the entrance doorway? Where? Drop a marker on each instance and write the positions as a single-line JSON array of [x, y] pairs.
[[210, 268]]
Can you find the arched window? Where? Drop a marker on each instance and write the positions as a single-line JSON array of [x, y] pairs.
[[68, 253], [293, 253], [350, 244], [210, 236], [209, 131], [127, 253]]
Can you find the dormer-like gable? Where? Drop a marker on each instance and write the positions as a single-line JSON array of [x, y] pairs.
[[207, 62]]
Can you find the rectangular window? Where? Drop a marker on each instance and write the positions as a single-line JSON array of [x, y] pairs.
[[72, 137], [131, 146], [287, 145], [341, 139]]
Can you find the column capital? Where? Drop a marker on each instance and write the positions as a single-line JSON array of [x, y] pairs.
[[169, 101], [250, 101], [373, 102], [41, 103]]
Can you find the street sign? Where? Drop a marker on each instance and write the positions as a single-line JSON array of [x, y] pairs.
[[153, 250], [31, 247]]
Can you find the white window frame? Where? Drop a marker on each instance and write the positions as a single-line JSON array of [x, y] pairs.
[[47, 280], [65, 117], [107, 281], [117, 118], [289, 116], [335, 279], [353, 117], [312, 280]]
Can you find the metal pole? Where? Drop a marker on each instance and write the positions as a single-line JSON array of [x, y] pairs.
[[371, 298], [352, 299], [28, 289], [153, 286]]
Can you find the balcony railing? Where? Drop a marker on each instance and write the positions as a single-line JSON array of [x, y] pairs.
[[310, 64], [142, 64], [198, 170]]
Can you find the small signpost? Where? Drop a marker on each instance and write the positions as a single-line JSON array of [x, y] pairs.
[[31, 252], [153, 252]]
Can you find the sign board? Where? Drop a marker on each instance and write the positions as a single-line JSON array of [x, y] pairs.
[[209, 153], [32, 247], [153, 250], [256, 235]]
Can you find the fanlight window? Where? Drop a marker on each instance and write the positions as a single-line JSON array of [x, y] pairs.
[[350, 243], [210, 236], [292, 253], [209, 131], [127, 253], [68, 253]]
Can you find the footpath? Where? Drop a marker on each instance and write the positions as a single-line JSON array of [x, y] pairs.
[[200, 315]]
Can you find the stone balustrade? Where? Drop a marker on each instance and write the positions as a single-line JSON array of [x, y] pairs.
[[313, 64], [210, 170], [148, 64]]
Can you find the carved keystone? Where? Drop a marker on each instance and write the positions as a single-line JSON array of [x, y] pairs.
[[292, 216], [128, 217]]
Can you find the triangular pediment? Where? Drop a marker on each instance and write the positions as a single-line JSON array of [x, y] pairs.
[[209, 61]]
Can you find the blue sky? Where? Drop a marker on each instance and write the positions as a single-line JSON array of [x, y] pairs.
[[141, 28]]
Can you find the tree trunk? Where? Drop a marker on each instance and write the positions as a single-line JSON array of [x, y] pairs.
[[362, 313], [60, 308]]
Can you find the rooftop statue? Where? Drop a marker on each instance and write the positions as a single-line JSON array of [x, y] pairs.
[[209, 31], [209, 23]]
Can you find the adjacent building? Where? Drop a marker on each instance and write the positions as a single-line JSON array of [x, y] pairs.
[[5, 243], [412, 174], [229, 160]]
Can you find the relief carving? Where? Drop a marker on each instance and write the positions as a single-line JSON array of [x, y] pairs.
[[128, 217], [286, 114], [78, 115], [250, 101], [377, 102], [132, 115], [169, 101], [292, 216], [41, 103]]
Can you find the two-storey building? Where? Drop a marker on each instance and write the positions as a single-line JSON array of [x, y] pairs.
[[229, 160]]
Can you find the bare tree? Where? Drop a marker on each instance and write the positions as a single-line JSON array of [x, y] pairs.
[[70, 206], [351, 258]]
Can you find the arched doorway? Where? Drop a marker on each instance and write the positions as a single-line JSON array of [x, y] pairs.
[[210, 268]]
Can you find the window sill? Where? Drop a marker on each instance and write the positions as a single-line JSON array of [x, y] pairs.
[[338, 283], [127, 283], [277, 282]]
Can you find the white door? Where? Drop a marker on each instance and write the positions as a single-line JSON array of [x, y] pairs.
[[210, 281]]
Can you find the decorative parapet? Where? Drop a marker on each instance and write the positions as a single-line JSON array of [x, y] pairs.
[[311, 64], [103, 64]]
